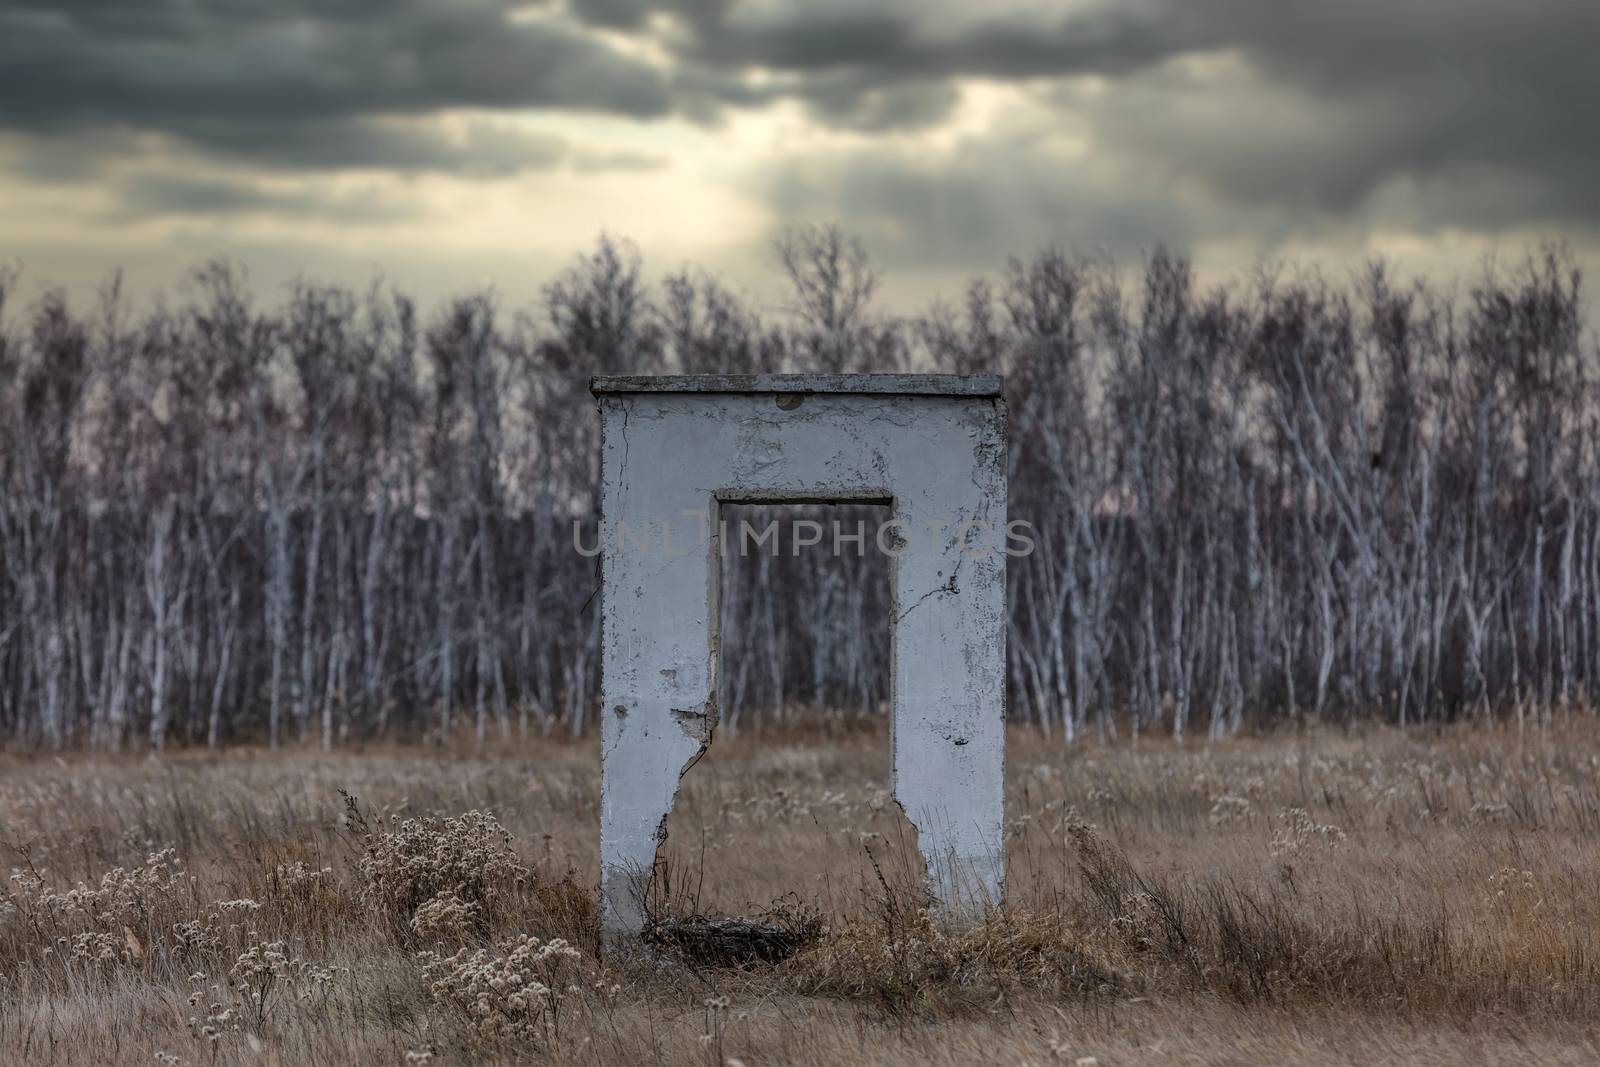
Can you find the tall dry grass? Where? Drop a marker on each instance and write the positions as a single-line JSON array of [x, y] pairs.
[[1318, 898]]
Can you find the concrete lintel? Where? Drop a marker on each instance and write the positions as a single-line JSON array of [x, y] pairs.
[[966, 385]]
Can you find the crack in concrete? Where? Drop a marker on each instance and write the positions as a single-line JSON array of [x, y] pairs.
[[950, 587]]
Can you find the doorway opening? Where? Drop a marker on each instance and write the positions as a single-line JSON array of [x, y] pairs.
[[789, 809]]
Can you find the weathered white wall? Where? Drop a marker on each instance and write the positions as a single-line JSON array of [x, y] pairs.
[[668, 455]]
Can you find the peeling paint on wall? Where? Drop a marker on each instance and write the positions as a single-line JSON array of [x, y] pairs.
[[934, 447]]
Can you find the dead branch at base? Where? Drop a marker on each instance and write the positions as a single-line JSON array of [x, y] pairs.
[[711, 942]]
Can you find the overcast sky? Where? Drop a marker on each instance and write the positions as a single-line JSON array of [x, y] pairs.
[[450, 143]]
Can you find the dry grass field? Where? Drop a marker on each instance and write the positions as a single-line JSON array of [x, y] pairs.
[[1312, 898]]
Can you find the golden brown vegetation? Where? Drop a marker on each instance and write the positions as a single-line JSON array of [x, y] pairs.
[[1314, 898]]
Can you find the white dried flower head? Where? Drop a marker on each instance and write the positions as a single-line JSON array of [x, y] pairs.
[[244, 904], [1230, 808], [266, 958], [196, 935], [470, 855], [92, 947], [301, 883], [444, 917], [1513, 888], [258, 972], [515, 991], [123, 897], [1298, 833]]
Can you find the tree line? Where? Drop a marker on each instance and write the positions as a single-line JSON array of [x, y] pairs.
[[332, 517]]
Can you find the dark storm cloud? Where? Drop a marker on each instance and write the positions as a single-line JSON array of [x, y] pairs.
[[1473, 114], [1431, 80], [476, 149], [1466, 113], [1336, 100], [224, 70], [846, 58], [986, 199], [148, 196], [65, 159], [920, 40], [859, 104], [616, 14]]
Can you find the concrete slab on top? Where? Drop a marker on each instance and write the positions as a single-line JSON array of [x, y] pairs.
[[962, 385]]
